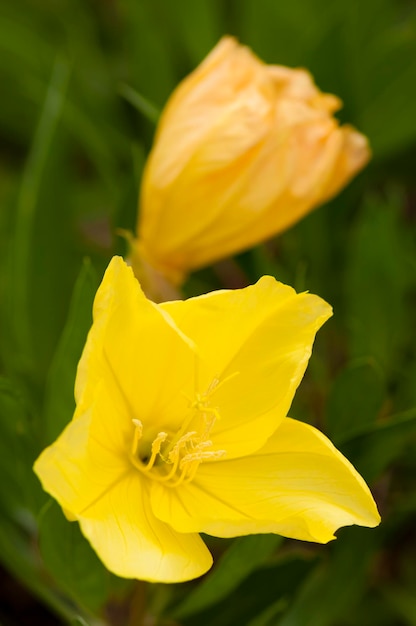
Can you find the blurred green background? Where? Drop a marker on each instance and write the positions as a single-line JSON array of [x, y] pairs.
[[76, 78]]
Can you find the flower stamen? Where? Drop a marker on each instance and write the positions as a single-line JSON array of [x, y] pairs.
[[184, 451], [138, 432], [201, 455], [161, 437]]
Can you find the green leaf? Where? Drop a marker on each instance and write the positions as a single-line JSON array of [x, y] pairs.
[[269, 616], [18, 449], [59, 398], [355, 399], [333, 587], [22, 561], [197, 25], [275, 580], [27, 203], [378, 445], [144, 106], [378, 275], [270, 28], [394, 99], [403, 600], [243, 557], [152, 69], [71, 560], [12, 423]]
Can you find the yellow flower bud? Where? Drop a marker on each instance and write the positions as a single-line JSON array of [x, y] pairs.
[[243, 151]]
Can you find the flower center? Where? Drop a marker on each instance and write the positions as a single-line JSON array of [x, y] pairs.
[[174, 458]]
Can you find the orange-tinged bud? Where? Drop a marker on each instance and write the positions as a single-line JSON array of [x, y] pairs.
[[243, 151]]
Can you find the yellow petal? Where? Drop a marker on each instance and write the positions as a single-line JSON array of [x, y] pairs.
[[136, 366], [98, 486], [256, 342], [90, 456], [68, 472], [134, 346], [299, 485], [133, 543]]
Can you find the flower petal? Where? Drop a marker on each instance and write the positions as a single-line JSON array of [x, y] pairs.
[[135, 346], [89, 457], [92, 454], [299, 485], [196, 105], [110, 500], [243, 150], [354, 153], [256, 343], [133, 543]]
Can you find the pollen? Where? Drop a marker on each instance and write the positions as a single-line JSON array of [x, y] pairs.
[[174, 458]]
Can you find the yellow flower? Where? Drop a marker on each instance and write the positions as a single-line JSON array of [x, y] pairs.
[[181, 428], [243, 150]]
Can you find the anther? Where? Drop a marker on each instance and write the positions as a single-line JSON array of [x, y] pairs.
[[201, 456], [161, 437], [138, 431], [179, 444], [203, 444]]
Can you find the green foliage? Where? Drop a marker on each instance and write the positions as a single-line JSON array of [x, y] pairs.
[[263, 596], [354, 400], [375, 447], [242, 558], [378, 255], [83, 83], [70, 559], [59, 390], [343, 578]]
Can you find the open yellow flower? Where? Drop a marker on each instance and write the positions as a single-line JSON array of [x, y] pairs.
[[243, 151], [181, 428]]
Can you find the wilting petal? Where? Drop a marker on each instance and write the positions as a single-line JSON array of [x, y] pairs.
[[132, 543], [200, 103], [349, 160], [135, 346], [256, 342], [243, 150], [298, 486]]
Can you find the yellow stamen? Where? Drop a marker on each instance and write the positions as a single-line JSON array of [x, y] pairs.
[[180, 443], [201, 456], [186, 449], [138, 432], [161, 437]]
